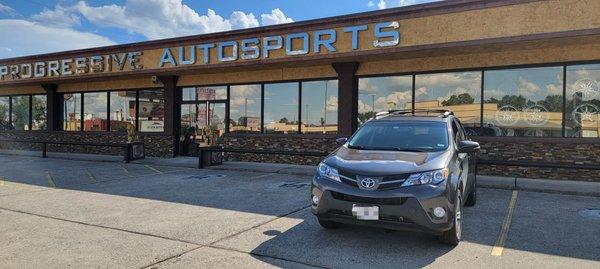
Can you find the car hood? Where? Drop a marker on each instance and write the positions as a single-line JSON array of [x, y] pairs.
[[386, 162]]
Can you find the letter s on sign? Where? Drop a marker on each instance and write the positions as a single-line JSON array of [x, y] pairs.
[[392, 35]]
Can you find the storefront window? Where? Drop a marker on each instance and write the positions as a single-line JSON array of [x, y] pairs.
[[281, 107], [459, 92], [319, 107], [122, 110], [152, 111], [583, 101], [39, 112], [72, 112], [245, 108], [4, 109], [523, 102], [20, 112], [377, 94], [95, 111]]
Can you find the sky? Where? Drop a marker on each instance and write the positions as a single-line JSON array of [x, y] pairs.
[[29, 27]]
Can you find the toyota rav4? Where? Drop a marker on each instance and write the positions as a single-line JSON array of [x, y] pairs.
[[402, 170]]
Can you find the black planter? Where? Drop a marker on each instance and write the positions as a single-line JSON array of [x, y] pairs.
[[210, 156]]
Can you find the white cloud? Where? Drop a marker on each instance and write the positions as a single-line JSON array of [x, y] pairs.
[[402, 3], [9, 11], [276, 17], [28, 38], [241, 20], [381, 4], [59, 17], [370, 4]]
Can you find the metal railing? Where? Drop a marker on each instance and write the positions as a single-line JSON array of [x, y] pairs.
[[127, 147], [257, 151]]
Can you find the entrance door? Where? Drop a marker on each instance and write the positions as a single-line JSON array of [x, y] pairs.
[[202, 123]]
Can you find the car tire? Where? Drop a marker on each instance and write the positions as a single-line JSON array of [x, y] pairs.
[[472, 199], [327, 224], [453, 236]]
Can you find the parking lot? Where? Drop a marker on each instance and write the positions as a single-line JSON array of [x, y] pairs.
[[63, 213]]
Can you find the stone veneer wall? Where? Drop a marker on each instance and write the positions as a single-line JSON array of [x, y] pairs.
[[570, 151], [156, 145], [292, 142]]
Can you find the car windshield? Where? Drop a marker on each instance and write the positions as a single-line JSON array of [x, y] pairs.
[[414, 136]]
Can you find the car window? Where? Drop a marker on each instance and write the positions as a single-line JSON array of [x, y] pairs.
[[401, 136]]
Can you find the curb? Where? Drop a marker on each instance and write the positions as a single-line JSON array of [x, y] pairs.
[[540, 185]]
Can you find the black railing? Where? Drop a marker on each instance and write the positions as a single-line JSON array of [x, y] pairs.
[[127, 147], [257, 151]]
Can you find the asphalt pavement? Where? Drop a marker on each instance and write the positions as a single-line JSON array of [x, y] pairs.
[[58, 213]]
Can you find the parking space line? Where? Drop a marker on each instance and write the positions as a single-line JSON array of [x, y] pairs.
[[50, 180], [126, 171], [499, 246], [153, 169], [260, 176], [90, 175], [1, 181]]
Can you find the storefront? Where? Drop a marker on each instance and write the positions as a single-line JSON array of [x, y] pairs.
[[524, 76]]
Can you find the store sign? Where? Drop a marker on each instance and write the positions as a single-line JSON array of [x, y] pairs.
[[381, 35]]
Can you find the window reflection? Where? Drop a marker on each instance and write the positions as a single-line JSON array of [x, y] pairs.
[[204, 93], [378, 94], [281, 107], [583, 101], [72, 112], [523, 102], [319, 106], [94, 111], [459, 92], [39, 112], [152, 111], [122, 110], [20, 112], [245, 108]]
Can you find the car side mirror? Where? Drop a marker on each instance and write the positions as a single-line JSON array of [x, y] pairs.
[[341, 140], [467, 146]]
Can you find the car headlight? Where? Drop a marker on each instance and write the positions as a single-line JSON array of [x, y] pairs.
[[432, 177], [328, 172]]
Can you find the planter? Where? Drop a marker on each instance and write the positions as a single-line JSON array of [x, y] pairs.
[[209, 157], [136, 151]]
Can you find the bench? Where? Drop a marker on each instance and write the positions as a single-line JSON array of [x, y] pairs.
[[127, 147], [256, 151]]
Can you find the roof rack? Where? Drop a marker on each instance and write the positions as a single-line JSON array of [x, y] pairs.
[[444, 113]]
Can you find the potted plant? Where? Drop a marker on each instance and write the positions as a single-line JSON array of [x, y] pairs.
[[211, 135]]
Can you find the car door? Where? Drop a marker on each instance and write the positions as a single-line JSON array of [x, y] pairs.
[[463, 158], [470, 161]]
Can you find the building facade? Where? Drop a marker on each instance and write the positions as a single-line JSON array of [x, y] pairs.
[[523, 76]]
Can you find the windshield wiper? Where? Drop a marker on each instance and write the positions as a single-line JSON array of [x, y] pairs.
[[410, 149]]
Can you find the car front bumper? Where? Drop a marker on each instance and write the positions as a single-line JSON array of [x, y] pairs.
[[405, 208]]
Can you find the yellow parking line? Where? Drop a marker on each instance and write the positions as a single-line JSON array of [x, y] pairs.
[[153, 169], [1, 181], [499, 246], [50, 180]]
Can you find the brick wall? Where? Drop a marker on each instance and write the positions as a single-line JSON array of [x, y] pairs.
[[156, 145]]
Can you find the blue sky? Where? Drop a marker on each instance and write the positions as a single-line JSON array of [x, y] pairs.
[[41, 26]]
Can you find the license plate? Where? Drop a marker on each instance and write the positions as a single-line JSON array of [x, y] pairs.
[[365, 212]]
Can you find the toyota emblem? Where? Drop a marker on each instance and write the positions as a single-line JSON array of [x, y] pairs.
[[367, 183]]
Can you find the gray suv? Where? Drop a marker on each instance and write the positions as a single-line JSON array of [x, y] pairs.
[[402, 170]]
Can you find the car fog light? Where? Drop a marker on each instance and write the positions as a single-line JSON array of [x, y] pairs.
[[439, 212], [315, 200]]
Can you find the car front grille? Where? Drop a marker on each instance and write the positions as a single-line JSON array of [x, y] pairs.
[[387, 182], [368, 200]]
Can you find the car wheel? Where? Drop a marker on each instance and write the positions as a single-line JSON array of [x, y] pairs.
[[327, 224], [453, 236], [472, 199]]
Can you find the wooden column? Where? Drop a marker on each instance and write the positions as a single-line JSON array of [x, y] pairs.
[[53, 107], [172, 109], [348, 97]]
